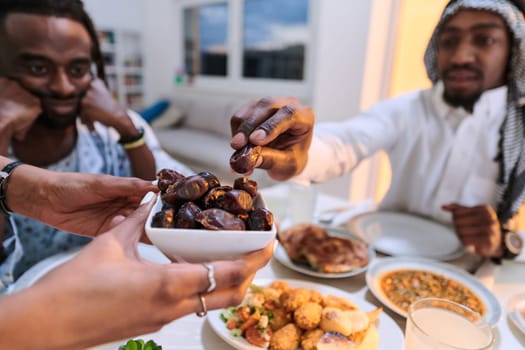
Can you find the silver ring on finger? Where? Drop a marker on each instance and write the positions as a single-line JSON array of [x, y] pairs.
[[204, 311], [211, 277]]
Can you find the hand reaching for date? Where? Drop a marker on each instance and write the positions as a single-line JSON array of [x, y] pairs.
[[283, 129]]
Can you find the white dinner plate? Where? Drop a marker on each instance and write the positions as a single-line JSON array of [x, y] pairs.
[[517, 303], [385, 265], [281, 256], [390, 335], [402, 234]]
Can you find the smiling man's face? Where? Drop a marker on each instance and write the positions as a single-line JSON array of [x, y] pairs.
[[51, 58], [473, 55]]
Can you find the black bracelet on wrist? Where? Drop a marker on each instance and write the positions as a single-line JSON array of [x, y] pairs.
[[131, 139], [4, 175]]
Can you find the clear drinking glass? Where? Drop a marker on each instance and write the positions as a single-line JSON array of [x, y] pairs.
[[439, 324], [301, 203]]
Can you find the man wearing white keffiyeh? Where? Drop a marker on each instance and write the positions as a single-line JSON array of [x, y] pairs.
[[456, 149], [511, 157]]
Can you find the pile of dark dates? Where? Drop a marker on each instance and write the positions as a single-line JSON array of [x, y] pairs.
[[200, 201]]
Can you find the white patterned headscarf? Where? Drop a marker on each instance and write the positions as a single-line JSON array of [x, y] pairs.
[[511, 181]]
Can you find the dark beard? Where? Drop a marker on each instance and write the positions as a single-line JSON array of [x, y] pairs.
[[458, 100], [57, 121], [53, 123], [466, 102]]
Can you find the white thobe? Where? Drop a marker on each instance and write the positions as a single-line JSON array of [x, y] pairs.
[[438, 154]]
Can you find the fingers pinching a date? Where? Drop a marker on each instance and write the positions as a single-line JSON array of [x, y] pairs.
[[245, 159]]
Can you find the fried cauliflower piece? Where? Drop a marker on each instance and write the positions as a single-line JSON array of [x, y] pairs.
[[281, 317], [308, 315], [316, 297], [293, 298], [279, 285], [286, 338], [271, 293], [311, 338]]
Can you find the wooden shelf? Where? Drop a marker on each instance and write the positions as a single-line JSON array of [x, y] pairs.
[[122, 51]]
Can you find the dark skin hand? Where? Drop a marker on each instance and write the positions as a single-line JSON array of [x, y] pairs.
[[477, 226], [86, 204], [99, 105], [108, 277], [18, 108], [283, 127]]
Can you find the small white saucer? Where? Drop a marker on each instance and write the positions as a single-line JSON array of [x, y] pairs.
[[516, 311]]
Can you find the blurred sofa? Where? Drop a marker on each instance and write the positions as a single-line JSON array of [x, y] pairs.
[[195, 129]]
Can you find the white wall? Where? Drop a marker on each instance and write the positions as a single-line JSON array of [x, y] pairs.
[[162, 39], [339, 57], [118, 14], [337, 63], [348, 69], [366, 180], [351, 72], [163, 30]]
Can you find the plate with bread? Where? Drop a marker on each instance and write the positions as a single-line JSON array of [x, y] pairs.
[[323, 252], [295, 314]]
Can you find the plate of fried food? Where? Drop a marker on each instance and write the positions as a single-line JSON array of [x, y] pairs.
[[323, 252], [399, 281], [295, 314]]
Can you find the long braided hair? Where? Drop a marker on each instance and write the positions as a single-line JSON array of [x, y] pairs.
[[72, 9]]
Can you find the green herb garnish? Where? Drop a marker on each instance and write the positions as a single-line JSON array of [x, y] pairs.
[[138, 344]]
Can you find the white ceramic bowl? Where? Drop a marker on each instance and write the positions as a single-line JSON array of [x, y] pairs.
[[199, 245]]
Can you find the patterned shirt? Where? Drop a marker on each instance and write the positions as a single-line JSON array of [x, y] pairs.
[[28, 241]]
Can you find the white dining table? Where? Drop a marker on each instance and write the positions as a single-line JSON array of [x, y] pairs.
[[192, 332], [505, 281]]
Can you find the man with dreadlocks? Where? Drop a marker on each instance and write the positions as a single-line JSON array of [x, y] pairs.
[[456, 150], [56, 113]]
